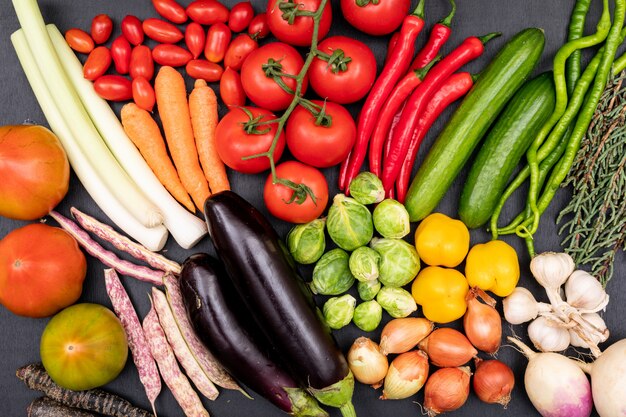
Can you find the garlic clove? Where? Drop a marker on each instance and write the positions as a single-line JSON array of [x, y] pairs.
[[585, 292], [599, 332], [520, 306], [548, 335], [367, 364], [552, 269]]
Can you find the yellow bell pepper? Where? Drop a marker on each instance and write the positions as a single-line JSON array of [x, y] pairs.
[[493, 266], [441, 293], [442, 241]]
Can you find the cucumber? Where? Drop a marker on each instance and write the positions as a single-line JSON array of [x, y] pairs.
[[504, 146], [469, 123]]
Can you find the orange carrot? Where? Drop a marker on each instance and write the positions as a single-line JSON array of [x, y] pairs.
[[171, 97], [203, 110], [145, 134]]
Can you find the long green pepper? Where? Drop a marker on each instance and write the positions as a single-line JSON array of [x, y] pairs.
[[576, 28]]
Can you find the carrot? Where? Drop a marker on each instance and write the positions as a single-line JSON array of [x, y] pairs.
[[171, 97], [145, 134], [45, 407], [204, 118]]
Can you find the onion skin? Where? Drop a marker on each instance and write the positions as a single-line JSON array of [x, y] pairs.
[[482, 323], [493, 382], [448, 348], [406, 376], [403, 334], [446, 390]]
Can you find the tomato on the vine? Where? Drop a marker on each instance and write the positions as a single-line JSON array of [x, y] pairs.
[[347, 77], [375, 17], [262, 88], [300, 31], [237, 137], [301, 206], [321, 141]]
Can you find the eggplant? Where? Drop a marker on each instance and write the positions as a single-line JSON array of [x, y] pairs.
[[277, 298], [212, 305]]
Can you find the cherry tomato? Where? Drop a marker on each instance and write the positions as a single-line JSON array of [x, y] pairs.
[[207, 12], [258, 27], [238, 51], [161, 31], [375, 17], [233, 142], [300, 32], [240, 16], [170, 10], [101, 28], [281, 201], [231, 89], [263, 90], [143, 93], [217, 41], [120, 53], [98, 62], [195, 38], [79, 40], [141, 62], [132, 29], [201, 69], [331, 82], [171, 55], [114, 88]]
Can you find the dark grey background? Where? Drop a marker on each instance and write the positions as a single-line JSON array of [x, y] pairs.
[[20, 336]]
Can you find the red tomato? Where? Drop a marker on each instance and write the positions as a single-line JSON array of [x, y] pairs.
[[101, 28], [114, 88], [240, 16], [299, 208], [375, 18], [258, 27], [317, 143], [41, 270], [132, 30], [233, 142], [141, 62], [238, 51], [207, 12], [171, 55], [79, 40], [263, 90], [331, 82], [170, 10], [200, 69], [161, 31], [195, 38], [217, 41], [120, 53], [300, 32], [231, 89], [143, 93], [98, 62]]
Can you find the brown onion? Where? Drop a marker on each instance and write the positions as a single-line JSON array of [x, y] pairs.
[[403, 334], [367, 364], [446, 390], [406, 376], [482, 323], [448, 348], [493, 382]]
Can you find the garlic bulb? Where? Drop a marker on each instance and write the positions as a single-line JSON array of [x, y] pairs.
[[520, 306], [599, 334], [584, 291], [552, 269], [548, 335], [368, 365]]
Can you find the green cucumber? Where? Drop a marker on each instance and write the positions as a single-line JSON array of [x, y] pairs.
[[504, 147], [469, 123]]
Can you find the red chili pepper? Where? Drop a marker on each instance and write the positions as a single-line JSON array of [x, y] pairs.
[[395, 67], [394, 102], [439, 35], [343, 172], [392, 44], [470, 49], [454, 88], [120, 52]]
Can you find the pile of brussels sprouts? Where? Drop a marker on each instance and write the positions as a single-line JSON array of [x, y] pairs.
[[381, 266]]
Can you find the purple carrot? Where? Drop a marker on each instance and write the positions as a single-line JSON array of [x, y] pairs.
[[105, 256], [146, 367], [46, 407]]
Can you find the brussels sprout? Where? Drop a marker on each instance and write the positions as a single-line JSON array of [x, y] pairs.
[[306, 242], [367, 188], [338, 311], [364, 264], [398, 302], [399, 262], [368, 289], [391, 219], [367, 315], [349, 223], [331, 275]]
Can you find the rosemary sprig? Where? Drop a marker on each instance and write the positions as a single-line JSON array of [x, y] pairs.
[[594, 221]]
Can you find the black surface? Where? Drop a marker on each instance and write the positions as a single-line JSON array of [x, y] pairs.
[[20, 336]]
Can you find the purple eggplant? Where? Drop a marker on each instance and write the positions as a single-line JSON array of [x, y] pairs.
[[212, 303], [263, 275]]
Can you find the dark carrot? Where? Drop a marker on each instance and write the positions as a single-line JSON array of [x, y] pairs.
[[45, 407]]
